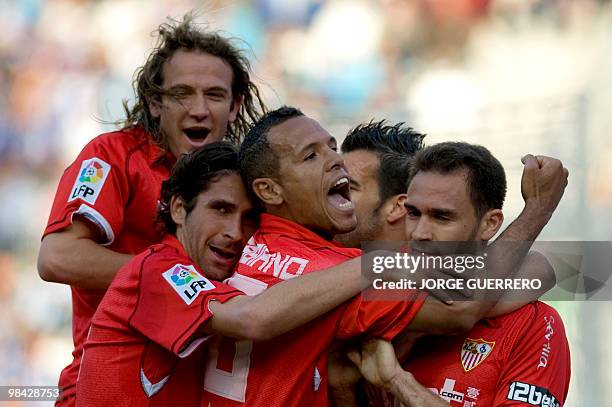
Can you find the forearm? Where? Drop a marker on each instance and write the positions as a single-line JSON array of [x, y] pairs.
[[528, 225], [411, 393], [287, 305], [535, 266], [80, 262], [507, 256], [404, 342], [438, 318]]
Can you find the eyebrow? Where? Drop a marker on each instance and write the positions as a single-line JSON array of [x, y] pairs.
[[314, 143], [443, 212], [182, 86], [221, 202], [217, 89], [434, 211], [408, 206]]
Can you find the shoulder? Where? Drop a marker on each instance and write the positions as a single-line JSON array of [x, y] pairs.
[[534, 315], [120, 141], [126, 151], [534, 326], [161, 257]]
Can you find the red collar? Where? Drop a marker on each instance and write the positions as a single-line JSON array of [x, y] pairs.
[[155, 154], [285, 227], [172, 241]]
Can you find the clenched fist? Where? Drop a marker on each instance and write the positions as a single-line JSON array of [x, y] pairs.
[[543, 183]]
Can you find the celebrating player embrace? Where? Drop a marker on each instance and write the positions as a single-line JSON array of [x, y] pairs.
[[209, 273]]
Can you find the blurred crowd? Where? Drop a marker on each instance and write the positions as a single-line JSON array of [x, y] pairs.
[[515, 75]]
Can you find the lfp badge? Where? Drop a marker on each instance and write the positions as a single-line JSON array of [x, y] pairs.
[[90, 180], [187, 282], [474, 352]]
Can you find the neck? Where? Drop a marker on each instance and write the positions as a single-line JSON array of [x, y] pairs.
[[285, 213], [394, 232]]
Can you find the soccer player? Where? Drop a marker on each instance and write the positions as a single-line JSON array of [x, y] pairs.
[[148, 337], [521, 358], [377, 157], [194, 89], [293, 167]]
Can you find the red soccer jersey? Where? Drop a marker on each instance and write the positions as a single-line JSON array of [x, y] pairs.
[[142, 348], [291, 369], [519, 359], [115, 183]]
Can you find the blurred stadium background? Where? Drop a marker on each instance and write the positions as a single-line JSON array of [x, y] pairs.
[[517, 76]]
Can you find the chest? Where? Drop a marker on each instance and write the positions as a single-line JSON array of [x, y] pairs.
[[140, 211], [463, 370]]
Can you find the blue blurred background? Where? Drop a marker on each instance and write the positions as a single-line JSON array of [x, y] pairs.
[[517, 76]]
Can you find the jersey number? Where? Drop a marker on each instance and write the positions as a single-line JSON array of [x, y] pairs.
[[228, 361], [227, 368]]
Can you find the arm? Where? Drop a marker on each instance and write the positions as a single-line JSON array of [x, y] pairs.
[[343, 376], [379, 366], [73, 256], [86, 214], [542, 186], [536, 266], [286, 305]]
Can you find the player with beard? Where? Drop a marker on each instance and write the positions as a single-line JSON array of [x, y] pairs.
[[293, 167], [515, 359], [194, 89], [377, 157]]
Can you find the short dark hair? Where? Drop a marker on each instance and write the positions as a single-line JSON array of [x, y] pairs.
[[193, 174], [486, 179], [257, 158], [394, 146], [185, 34]]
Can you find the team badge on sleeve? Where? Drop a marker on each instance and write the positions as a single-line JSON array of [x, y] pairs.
[[90, 180], [474, 352], [187, 282]]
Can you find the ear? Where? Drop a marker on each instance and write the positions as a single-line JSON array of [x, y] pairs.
[[490, 224], [154, 104], [235, 108], [177, 210], [268, 191], [396, 211]]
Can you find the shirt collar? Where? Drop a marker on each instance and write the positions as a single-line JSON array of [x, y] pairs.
[[173, 242], [281, 226], [154, 153], [492, 322]]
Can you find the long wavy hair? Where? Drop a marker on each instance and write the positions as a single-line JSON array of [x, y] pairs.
[[148, 79]]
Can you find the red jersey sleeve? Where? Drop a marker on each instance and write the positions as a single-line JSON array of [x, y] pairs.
[[173, 303], [95, 186], [382, 319], [537, 371]]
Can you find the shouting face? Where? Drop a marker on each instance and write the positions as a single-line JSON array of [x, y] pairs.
[[198, 104], [314, 183]]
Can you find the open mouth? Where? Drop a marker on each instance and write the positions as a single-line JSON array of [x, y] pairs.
[[196, 133], [339, 195], [223, 254]]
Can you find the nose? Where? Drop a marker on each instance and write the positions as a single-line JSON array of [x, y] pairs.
[[198, 108], [422, 230], [334, 160], [234, 229]]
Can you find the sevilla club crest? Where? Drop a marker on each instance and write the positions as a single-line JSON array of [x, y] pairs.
[[474, 352]]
